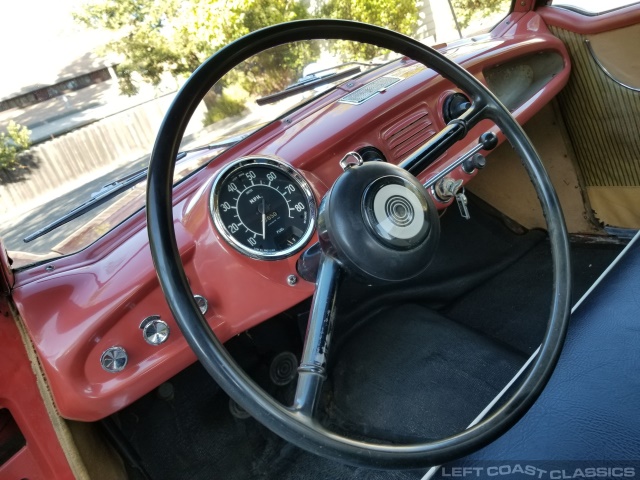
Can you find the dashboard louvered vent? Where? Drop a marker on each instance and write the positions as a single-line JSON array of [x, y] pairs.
[[369, 90], [409, 133]]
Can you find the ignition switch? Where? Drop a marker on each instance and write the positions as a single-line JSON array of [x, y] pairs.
[[447, 188]]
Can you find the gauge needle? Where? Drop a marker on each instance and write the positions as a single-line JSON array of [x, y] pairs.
[[264, 220]]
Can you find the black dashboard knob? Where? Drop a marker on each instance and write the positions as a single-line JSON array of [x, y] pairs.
[[489, 140], [476, 161], [454, 106]]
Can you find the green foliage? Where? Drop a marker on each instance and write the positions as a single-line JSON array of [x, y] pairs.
[[274, 69], [469, 10], [12, 144], [398, 15], [231, 102], [160, 37], [175, 37]]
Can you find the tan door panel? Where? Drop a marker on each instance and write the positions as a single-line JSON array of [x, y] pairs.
[[616, 52], [603, 122]]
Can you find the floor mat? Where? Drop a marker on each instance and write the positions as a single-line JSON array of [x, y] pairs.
[[192, 435], [410, 375], [513, 306]]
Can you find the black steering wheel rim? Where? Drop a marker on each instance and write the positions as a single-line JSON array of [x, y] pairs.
[[291, 425]]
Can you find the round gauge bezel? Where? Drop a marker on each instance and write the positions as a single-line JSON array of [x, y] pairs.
[[282, 167]]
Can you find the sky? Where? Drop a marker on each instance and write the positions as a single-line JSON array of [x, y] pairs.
[[39, 39]]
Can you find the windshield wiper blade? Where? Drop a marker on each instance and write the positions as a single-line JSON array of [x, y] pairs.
[[103, 195], [309, 85], [110, 190]]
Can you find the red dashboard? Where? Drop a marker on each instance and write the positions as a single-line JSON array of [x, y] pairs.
[[77, 306]]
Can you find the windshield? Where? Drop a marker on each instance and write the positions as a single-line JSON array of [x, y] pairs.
[[80, 110], [253, 94]]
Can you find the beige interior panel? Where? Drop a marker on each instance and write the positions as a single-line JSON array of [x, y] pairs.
[[616, 205], [101, 460], [505, 185], [617, 52]]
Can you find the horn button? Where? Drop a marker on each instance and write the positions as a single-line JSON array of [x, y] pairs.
[[379, 222]]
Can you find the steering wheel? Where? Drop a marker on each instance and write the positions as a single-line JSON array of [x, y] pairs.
[[298, 423]]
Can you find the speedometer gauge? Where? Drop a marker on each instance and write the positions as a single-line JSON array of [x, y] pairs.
[[263, 208]]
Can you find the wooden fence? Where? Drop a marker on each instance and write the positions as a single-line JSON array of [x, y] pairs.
[[104, 144]]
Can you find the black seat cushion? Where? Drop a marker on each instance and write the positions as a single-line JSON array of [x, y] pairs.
[[590, 410]]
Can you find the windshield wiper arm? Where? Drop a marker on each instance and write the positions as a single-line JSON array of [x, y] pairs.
[[110, 190], [310, 85]]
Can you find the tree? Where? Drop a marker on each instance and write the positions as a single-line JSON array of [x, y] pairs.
[[159, 37], [399, 15], [175, 37], [12, 144], [467, 10]]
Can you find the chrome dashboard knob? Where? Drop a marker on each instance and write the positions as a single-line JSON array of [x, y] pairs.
[[114, 359], [154, 330], [202, 303]]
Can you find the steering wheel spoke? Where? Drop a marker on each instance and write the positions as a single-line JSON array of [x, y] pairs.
[[313, 364]]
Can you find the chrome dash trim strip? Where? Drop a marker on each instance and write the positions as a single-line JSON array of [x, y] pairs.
[[370, 90]]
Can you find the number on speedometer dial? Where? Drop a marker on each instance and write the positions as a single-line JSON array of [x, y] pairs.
[[263, 207]]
